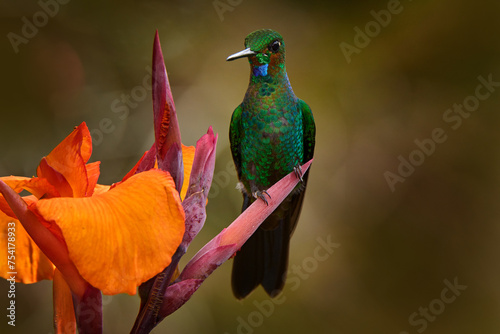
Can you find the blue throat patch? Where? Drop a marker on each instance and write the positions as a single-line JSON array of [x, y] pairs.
[[260, 70]]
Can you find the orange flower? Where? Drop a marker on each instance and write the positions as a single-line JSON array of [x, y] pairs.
[[90, 238], [116, 237]]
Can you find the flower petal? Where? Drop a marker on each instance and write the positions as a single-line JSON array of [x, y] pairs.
[[37, 186], [68, 160], [203, 164], [123, 237], [100, 188], [28, 261], [45, 171], [166, 126], [93, 172], [200, 180], [188, 157]]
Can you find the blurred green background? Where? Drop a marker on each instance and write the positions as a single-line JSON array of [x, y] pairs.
[[396, 248]]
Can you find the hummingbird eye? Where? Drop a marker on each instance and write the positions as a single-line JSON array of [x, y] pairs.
[[274, 46]]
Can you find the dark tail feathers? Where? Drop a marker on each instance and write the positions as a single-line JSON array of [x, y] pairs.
[[263, 259]]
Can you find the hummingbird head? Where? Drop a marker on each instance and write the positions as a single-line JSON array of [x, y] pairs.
[[265, 50]]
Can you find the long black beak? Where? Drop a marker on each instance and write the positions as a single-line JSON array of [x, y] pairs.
[[244, 53]]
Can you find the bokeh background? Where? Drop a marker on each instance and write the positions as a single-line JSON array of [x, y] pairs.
[[395, 248]]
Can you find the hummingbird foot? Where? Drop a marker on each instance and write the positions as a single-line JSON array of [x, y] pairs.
[[261, 194], [298, 172]]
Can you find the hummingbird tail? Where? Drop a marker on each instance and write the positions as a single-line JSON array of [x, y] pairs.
[[263, 259]]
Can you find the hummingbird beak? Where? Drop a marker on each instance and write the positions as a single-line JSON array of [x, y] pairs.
[[244, 53]]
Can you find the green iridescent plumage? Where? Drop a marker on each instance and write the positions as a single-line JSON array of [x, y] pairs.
[[271, 133]]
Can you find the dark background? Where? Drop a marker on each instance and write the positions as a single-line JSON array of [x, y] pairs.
[[396, 248]]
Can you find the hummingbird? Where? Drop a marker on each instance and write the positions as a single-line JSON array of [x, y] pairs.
[[272, 133]]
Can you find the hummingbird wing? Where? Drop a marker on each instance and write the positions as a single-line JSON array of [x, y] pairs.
[[235, 138], [309, 135], [309, 131]]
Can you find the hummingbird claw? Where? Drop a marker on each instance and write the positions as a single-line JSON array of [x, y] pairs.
[[261, 194], [298, 172]]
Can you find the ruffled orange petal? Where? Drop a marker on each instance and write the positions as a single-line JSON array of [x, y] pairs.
[[68, 160], [20, 255], [16, 182], [93, 172], [100, 188], [45, 171], [123, 237], [37, 186], [187, 157]]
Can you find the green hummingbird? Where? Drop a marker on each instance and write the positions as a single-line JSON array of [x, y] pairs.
[[272, 133]]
